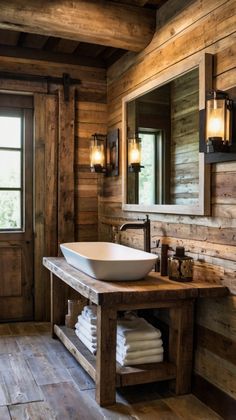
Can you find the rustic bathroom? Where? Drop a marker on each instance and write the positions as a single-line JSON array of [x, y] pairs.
[[118, 210]]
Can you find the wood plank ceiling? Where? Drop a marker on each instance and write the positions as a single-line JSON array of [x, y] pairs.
[[53, 48]]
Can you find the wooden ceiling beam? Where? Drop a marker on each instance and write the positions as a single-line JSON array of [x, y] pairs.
[[105, 23], [49, 56]]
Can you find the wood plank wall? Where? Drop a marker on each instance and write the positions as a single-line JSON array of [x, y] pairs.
[[184, 178], [91, 117], [201, 27]]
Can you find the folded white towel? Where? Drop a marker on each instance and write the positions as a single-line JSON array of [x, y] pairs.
[[138, 345], [91, 335], [90, 346], [139, 361], [89, 327], [136, 329], [86, 333], [137, 354], [90, 312]]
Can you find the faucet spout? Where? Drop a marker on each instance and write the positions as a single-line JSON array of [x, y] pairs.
[[145, 225]]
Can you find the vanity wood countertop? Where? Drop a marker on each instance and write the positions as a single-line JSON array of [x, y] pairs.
[[154, 287]]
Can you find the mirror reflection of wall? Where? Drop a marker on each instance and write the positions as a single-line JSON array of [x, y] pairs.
[[166, 121]]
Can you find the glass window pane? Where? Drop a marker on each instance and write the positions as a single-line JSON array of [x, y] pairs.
[[10, 210], [10, 131], [10, 169], [147, 174]]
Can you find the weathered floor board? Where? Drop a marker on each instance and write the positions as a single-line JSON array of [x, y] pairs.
[[4, 413], [17, 384], [39, 380]]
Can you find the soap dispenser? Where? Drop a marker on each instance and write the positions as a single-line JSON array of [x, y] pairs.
[[180, 266]]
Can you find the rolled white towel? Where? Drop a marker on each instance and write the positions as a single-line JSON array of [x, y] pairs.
[[137, 354], [90, 346], [91, 328], [138, 345], [136, 329], [87, 334], [139, 361]]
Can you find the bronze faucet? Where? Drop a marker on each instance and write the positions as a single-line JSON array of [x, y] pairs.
[[145, 225]]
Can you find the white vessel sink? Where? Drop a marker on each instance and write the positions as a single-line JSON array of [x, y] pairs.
[[108, 261]]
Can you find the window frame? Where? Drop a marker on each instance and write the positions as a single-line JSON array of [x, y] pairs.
[[16, 112]]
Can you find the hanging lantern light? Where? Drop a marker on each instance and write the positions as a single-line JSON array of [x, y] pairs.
[[218, 122], [97, 153], [134, 154]]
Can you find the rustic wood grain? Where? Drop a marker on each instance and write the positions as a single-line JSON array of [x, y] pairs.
[[225, 348], [77, 348], [17, 383], [181, 332], [9, 345], [35, 410], [4, 413], [218, 315], [188, 407], [47, 368], [66, 168], [67, 402], [152, 289], [218, 371], [132, 28], [106, 356]]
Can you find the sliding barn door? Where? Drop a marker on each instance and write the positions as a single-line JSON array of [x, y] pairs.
[[16, 207]]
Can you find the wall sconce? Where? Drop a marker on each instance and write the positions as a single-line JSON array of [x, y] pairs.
[[104, 153], [218, 142], [134, 154]]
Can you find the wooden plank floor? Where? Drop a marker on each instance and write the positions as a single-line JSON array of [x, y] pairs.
[[40, 380]]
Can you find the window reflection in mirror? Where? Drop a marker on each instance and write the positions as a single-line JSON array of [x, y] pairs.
[[166, 120]]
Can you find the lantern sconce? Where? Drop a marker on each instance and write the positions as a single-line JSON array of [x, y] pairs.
[[104, 153], [134, 154], [217, 142]]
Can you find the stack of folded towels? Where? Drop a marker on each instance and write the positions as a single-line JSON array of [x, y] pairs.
[[86, 327], [138, 342]]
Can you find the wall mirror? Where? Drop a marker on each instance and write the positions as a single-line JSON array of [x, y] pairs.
[[161, 122]]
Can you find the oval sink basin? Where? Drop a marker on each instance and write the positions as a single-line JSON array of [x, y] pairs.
[[108, 261]]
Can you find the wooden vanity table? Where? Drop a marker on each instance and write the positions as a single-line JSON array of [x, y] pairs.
[[110, 297]]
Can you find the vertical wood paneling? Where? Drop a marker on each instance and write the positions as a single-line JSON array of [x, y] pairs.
[[46, 137], [40, 276], [66, 168]]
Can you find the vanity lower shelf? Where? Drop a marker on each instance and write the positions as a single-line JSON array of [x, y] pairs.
[[125, 375]]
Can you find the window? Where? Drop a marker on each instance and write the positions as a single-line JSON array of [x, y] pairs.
[[11, 170], [150, 177]]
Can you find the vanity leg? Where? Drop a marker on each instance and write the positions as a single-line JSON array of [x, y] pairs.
[[106, 356], [181, 345], [57, 302]]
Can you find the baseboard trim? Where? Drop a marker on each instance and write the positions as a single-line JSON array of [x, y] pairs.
[[212, 396]]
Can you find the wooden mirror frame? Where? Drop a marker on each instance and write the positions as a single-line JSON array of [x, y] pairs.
[[204, 63]]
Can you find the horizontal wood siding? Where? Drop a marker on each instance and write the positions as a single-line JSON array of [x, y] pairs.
[[91, 117], [211, 241], [184, 181]]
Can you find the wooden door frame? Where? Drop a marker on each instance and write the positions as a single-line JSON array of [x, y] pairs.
[[23, 237]]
